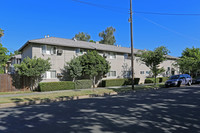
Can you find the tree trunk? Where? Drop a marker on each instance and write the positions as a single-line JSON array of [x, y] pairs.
[[94, 79], [31, 87]]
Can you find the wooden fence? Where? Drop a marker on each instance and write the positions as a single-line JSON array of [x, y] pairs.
[[8, 84]]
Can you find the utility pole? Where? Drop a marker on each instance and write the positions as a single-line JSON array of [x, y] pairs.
[[132, 52]]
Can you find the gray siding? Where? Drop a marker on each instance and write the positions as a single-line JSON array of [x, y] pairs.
[[119, 64], [27, 52]]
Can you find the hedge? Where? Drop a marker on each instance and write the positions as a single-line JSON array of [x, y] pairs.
[[83, 84], [118, 82], [158, 80], [54, 86]]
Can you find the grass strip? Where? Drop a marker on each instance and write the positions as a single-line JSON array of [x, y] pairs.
[[72, 93]]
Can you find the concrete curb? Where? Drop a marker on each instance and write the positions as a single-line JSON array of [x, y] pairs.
[[62, 99]]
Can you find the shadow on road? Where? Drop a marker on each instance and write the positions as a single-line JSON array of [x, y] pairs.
[[154, 111]]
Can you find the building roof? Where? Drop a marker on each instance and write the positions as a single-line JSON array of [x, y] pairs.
[[81, 44]]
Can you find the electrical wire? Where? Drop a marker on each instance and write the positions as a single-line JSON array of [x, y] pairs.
[[111, 8], [168, 29], [171, 14], [114, 8]]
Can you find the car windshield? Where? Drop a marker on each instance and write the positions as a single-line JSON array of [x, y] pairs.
[[174, 77]]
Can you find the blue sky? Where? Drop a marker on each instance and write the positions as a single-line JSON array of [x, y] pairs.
[[24, 20]]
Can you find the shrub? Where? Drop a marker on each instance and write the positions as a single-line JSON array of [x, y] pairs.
[[118, 82], [158, 80], [163, 79], [83, 84], [54, 86]]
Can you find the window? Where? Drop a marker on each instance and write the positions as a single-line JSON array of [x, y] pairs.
[[125, 56], [112, 55], [147, 72], [80, 51], [141, 72], [127, 74], [48, 49], [111, 74], [49, 74], [168, 68]]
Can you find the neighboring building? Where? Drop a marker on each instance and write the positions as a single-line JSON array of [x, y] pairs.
[[16, 59], [61, 50]]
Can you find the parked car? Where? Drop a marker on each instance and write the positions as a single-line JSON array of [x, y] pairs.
[[178, 80], [196, 80]]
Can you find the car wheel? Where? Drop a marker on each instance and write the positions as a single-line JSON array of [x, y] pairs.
[[166, 86], [179, 84]]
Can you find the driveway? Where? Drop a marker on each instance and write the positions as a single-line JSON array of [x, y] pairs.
[[168, 110]]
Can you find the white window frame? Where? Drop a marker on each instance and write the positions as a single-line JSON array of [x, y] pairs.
[[127, 74], [80, 51], [50, 73], [141, 72], [147, 72], [125, 56], [50, 49], [109, 74], [112, 55]]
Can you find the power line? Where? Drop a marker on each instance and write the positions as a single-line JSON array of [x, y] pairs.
[[111, 8], [115, 8], [168, 29], [172, 14]]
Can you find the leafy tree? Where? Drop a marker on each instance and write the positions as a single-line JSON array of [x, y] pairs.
[[92, 41], [16, 52], [33, 69], [74, 68], [189, 62], [108, 36], [81, 36], [94, 65], [3, 54], [1, 32], [152, 59], [3, 57]]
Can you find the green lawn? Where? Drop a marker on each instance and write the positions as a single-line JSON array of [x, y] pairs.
[[69, 94], [14, 92]]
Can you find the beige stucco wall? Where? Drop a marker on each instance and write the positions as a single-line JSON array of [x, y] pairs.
[[119, 64]]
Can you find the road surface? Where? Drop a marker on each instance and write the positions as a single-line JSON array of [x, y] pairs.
[[168, 110]]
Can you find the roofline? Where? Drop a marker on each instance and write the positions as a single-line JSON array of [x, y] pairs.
[[22, 47], [30, 41]]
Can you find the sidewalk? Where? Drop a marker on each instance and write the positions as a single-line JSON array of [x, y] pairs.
[[50, 92]]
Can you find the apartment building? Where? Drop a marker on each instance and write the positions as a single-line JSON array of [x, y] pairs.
[[61, 50]]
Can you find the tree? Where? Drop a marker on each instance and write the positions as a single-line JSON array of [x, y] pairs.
[[189, 62], [74, 68], [152, 59], [1, 32], [108, 36], [33, 69], [3, 57], [92, 41], [81, 36], [94, 65]]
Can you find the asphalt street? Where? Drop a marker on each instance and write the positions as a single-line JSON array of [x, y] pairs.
[[167, 110]]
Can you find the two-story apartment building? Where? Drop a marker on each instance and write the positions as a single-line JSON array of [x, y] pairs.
[[61, 50], [9, 68]]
